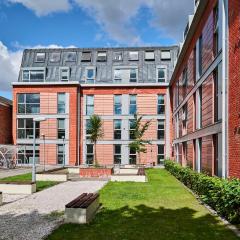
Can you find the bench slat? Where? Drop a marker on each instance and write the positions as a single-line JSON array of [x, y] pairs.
[[83, 201], [70, 204]]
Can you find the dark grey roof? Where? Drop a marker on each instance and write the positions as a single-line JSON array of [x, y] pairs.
[[5, 100]]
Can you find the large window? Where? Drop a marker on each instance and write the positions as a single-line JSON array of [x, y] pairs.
[[90, 75], [25, 154], [89, 154], [185, 81], [161, 75], [70, 56], [160, 155], [117, 104], [90, 105], [161, 130], [117, 154], [64, 74], [132, 156], [132, 127], [61, 103], [88, 126], [28, 103], [25, 128], [33, 75], [61, 128], [117, 129], [216, 31], [161, 105], [133, 75], [132, 104], [60, 154]]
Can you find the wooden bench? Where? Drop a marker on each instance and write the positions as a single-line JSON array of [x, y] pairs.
[[1, 201], [82, 209], [141, 172]]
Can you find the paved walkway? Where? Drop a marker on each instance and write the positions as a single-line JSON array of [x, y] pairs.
[[34, 217]]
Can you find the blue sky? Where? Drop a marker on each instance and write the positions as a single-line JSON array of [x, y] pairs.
[[84, 23]]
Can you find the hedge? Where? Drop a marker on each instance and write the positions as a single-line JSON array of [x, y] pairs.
[[222, 195]]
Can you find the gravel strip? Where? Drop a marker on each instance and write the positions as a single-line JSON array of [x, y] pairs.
[[29, 217]]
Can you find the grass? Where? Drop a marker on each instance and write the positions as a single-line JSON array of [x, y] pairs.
[[160, 209], [28, 177]]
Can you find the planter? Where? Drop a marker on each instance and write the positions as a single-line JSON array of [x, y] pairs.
[[53, 177], [96, 172], [17, 187]]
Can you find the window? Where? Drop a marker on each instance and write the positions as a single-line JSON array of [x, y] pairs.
[[90, 105], [200, 56], [102, 56], [117, 154], [132, 127], [161, 105], [89, 155], [60, 154], [161, 75], [117, 56], [86, 57], [28, 103], [216, 30], [149, 56], [165, 55], [64, 74], [185, 81], [90, 75], [61, 128], [132, 156], [70, 56], [199, 108], [133, 75], [25, 128], [117, 75], [161, 130], [117, 129], [184, 118], [133, 56], [160, 155], [25, 154], [133, 104], [33, 75], [218, 93], [117, 104], [40, 57], [88, 127], [55, 57], [61, 97]]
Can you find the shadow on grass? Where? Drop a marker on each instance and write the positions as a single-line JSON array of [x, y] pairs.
[[142, 222]]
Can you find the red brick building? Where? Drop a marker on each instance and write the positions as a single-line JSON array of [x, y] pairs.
[[5, 121], [205, 91]]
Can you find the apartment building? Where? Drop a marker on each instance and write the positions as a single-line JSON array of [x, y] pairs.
[[205, 91], [5, 121], [67, 86]]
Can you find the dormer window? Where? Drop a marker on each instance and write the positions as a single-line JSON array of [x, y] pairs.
[[64, 74], [40, 57], [133, 56], [33, 75], [70, 57], [86, 57], [161, 74], [55, 57], [102, 56], [149, 56], [90, 75]]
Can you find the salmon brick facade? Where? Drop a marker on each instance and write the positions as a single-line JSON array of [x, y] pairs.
[[5, 120]]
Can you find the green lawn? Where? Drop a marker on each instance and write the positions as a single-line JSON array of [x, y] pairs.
[[161, 209], [28, 177]]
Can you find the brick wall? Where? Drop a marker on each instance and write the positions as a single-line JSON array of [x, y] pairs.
[[5, 124], [233, 89]]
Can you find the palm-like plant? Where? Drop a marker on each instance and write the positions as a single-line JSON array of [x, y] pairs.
[[139, 144], [95, 133]]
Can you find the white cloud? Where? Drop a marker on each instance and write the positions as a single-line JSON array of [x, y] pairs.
[[10, 62], [45, 7]]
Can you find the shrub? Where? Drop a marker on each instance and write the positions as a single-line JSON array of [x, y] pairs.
[[222, 195]]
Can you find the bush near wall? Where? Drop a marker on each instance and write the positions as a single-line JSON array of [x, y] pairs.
[[222, 195]]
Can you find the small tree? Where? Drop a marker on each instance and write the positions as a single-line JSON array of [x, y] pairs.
[[138, 144], [95, 131]]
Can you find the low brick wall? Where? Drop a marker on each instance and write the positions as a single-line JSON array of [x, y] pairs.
[[96, 172]]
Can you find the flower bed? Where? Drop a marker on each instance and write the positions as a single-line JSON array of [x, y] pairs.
[[96, 172], [222, 195]]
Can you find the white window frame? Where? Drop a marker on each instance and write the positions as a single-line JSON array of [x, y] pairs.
[[133, 56], [32, 70], [149, 55], [60, 74], [40, 61], [86, 75], [165, 73], [165, 55]]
